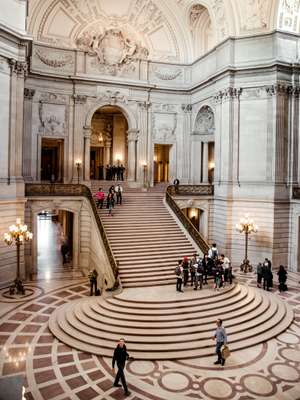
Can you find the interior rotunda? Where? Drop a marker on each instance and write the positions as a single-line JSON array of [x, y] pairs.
[[149, 187]]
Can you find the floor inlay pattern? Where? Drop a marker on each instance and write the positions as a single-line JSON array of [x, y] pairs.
[[55, 371]]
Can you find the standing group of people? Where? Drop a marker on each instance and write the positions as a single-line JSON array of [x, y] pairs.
[[196, 270], [114, 196], [115, 172], [265, 276]]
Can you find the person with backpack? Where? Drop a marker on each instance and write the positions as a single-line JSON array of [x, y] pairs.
[[179, 276], [213, 252]]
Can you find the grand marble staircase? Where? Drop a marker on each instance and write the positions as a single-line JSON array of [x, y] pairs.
[[159, 323], [146, 240]]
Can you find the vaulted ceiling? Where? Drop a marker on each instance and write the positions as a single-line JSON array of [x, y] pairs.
[[170, 30]]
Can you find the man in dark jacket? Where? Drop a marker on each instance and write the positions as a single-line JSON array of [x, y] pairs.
[[120, 357]]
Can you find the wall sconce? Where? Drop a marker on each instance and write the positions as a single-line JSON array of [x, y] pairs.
[[211, 165], [78, 166], [193, 213], [118, 158], [155, 158]]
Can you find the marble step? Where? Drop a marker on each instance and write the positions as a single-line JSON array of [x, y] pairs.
[[258, 320]]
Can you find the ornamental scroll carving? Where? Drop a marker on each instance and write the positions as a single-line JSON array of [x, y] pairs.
[[113, 50], [256, 14]]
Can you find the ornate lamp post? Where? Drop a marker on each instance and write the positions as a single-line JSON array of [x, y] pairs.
[[19, 234], [78, 166], [246, 226]]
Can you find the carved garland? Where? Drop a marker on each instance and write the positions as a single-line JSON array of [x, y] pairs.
[[54, 63]]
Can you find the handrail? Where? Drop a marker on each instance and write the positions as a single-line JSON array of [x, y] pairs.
[[191, 190], [60, 189], [195, 234]]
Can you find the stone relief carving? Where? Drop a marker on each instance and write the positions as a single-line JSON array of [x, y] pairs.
[[164, 107], [167, 74], [164, 126], [113, 50], [60, 60], [256, 14], [253, 93], [205, 121], [52, 118], [52, 114], [195, 13], [113, 97], [220, 15], [53, 98], [289, 14], [187, 108]]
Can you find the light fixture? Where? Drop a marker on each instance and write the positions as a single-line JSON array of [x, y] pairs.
[[211, 165], [17, 234], [78, 166], [247, 227]]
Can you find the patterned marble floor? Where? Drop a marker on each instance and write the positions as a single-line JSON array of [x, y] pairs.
[[52, 370]]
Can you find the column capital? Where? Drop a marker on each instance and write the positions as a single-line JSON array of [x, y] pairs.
[[279, 89], [18, 67], [229, 93], [144, 105], [132, 135]]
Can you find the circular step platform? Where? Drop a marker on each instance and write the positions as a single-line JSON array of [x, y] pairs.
[[158, 323]]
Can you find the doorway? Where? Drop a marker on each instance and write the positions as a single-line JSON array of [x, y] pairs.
[[161, 168], [108, 142], [52, 153], [54, 243]]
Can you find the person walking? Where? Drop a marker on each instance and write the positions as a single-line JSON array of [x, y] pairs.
[[119, 192], [226, 264], [267, 276], [120, 357], [221, 339], [110, 203], [179, 276], [100, 196], [64, 249]]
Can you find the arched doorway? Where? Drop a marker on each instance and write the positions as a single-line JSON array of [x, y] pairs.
[[109, 128], [54, 243]]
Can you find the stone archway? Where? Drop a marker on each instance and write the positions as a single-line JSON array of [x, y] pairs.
[[203, 141], [117, 147]]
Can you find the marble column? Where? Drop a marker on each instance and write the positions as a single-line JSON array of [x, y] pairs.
[[205, 163], [87, 153], [195, 172], [131, 165], [78, 137], [18, 71], [107, 152], [27, 134]]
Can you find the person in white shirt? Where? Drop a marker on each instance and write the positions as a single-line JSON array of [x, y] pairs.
[[213, 252], [119, 191], [226, 265]]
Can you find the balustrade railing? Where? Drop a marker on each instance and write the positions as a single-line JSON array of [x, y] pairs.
[[57, 189], [191, 190], [194, 233]]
